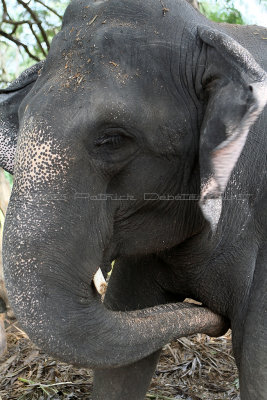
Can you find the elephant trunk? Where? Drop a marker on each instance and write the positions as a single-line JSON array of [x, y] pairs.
[[49, 276]]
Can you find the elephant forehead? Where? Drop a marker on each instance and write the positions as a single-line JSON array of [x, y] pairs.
[[130, 38], [112, 10], [109, 95], [123, 36], [105, 79], [122, 54]]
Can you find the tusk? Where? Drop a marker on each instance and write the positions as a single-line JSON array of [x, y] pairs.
[[100, 282]]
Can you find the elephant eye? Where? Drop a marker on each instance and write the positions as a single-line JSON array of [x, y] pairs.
[[114, 146], [112, 141]]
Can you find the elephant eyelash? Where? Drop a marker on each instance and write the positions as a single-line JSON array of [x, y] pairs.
[[114, 141]]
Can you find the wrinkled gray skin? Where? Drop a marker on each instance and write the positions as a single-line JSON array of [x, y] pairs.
[[134, 100]]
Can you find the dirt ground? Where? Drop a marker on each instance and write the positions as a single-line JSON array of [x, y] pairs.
[[193, 368]]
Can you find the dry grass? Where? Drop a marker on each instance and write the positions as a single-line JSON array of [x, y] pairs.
[[191, 368], [196, 368]]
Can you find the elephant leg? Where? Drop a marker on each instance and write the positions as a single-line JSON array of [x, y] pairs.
[[130, 382], [133, 285], [252, 359]]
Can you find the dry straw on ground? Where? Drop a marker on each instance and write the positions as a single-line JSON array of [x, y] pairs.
[[193, 368]]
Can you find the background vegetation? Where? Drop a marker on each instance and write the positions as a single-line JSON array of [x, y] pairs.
[[26, 30]]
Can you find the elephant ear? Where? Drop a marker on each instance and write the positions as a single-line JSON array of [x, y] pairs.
[[235, 92], [10, 100]]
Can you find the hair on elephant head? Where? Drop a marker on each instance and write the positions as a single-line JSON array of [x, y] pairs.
[[136, 115]]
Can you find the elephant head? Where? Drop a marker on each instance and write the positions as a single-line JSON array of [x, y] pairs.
[[125, 109]]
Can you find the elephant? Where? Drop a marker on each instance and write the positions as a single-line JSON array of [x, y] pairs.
[[141, 139]]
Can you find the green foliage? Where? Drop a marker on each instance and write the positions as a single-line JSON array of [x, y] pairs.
[[26, 30], [221, 11]]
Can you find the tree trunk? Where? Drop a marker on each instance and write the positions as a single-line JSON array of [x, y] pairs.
[[5, 191], [194, 3], [4, 199]]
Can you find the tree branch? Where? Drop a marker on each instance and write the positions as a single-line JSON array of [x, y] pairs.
[[19, 43], [5, 13], [37, 21], [38, 41], [16, 23], [49, 8]]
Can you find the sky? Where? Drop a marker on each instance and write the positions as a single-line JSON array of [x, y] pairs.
[[252, 11]]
